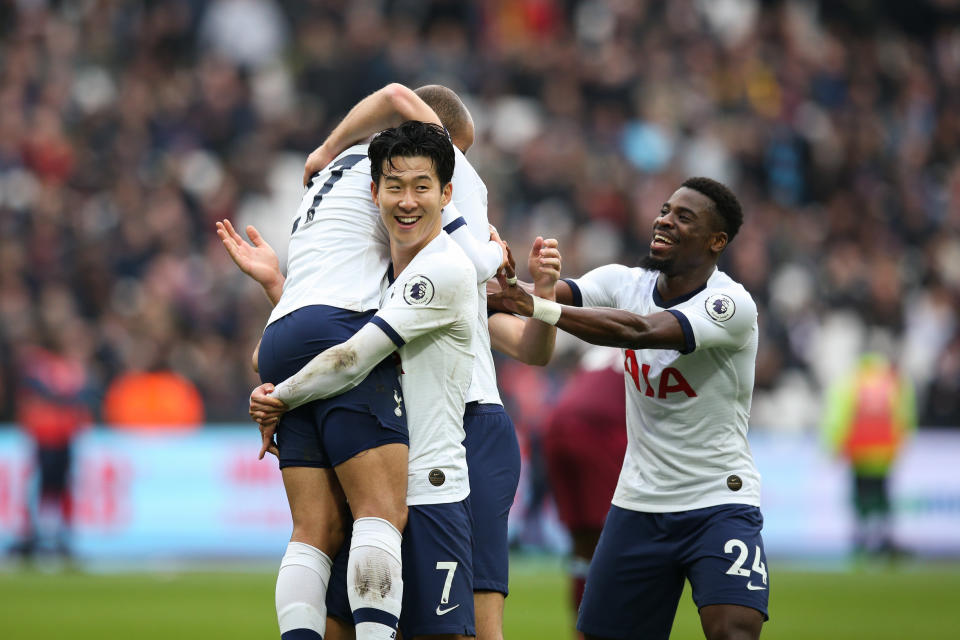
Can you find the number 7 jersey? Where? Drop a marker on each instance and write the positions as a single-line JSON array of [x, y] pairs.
[[339, 250], [687, 413]]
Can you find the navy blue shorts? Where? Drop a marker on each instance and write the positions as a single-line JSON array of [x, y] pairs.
[[437, 573], [493, 461], [326, 432], [637, 573]]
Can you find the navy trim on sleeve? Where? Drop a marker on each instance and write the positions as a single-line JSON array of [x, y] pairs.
[[575, 290], [691, 342], [387, 329], [456, 224]]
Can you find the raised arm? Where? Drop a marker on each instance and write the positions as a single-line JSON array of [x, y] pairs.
[[385, 108], [530, 341], [487, 257], [258, 260]]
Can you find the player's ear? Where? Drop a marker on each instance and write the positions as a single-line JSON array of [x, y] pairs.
[[375, 193], [447, 194], [718, 241]]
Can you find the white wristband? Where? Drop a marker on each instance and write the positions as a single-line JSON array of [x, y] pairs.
[[546, 310]]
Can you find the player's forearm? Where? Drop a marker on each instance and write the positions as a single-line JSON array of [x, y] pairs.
[[388, 107], [536, 343], [539, 338], [618, 328], [485, 256], [337, 369], [274, 288]]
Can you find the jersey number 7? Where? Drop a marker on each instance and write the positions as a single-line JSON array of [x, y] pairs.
[[336, 172]]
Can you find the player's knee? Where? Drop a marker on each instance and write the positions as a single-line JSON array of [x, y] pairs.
[[733, 623], [395, 514], [323, 533]]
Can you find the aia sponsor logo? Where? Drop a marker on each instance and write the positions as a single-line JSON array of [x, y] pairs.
[[671, 380]]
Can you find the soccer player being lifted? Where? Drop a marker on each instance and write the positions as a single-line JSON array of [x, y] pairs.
[[341, 262], [687, 501]]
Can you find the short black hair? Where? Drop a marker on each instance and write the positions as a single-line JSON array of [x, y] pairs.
[[725, 203], [411, 139], [448, 106]]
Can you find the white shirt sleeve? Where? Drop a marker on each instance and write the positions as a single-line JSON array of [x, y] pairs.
[[722, 318], [599, 288], [337, 369], [430, 299], [485, 256]]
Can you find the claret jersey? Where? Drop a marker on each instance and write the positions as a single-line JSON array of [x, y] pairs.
[[429, 312], [687, 413]]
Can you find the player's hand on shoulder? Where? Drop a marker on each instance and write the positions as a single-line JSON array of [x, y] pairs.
[[316, 161], [544, 264]]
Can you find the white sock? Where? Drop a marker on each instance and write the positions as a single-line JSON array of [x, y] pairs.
[[374, 582], [302, 592]]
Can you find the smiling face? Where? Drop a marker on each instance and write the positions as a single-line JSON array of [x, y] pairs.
[[686, 235], [410, 198]]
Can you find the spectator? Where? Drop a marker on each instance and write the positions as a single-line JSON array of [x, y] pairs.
[[869, 416]]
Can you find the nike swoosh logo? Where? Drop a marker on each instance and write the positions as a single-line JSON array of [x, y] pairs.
[[754, 588], [441, 612]]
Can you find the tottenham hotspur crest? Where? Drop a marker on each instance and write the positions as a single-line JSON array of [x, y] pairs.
[[720, 307], [418, 291]]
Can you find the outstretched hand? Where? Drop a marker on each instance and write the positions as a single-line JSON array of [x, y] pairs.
[[511, 297], [257, 260]]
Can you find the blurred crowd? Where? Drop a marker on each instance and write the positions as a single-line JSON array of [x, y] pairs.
[[127, 128]]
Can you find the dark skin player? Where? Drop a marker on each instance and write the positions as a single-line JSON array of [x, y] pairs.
[[688, 238]]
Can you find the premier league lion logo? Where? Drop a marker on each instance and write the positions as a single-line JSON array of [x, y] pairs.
[[720, 307], [418, 291]]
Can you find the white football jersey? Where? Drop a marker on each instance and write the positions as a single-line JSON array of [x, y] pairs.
[[687, 413], [339, 249], [429, 312], [470, 200]]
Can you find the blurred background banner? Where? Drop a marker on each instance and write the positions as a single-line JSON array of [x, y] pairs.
[[143, 500], [150, 498]]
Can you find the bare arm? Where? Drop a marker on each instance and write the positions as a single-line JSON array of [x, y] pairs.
[[258, 260], [530, 341], [385, 108], [607, 327], [337, 369]]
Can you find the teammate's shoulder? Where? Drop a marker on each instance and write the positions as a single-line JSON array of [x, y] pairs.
[[444, 257]]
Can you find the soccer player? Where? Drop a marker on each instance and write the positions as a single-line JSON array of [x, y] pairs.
[[584, 439], [493, 453], [427, 313], [687, 502], [492, 449]]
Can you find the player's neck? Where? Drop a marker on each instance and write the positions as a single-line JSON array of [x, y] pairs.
[[676, 285], [402, 255]]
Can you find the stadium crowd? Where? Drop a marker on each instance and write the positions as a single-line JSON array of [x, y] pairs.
[[128, 128]]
